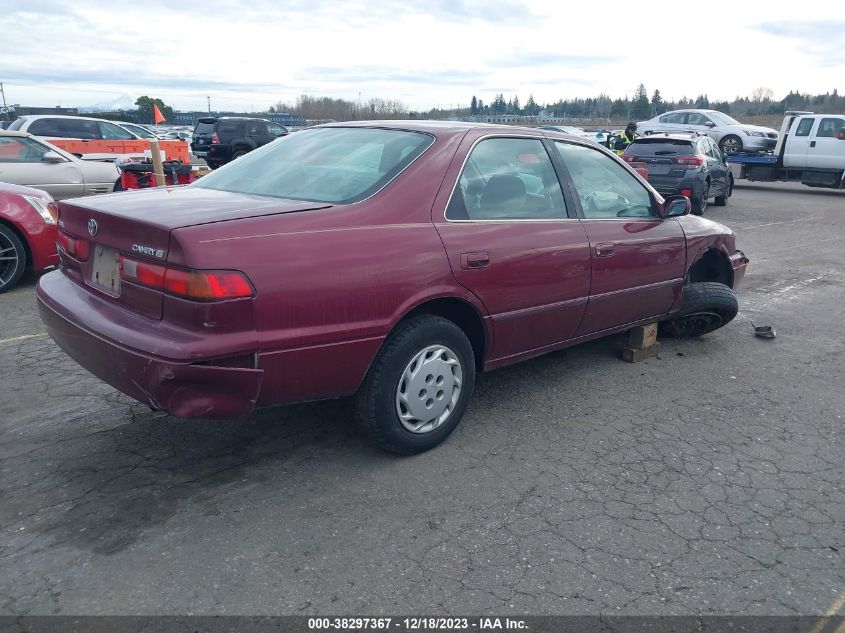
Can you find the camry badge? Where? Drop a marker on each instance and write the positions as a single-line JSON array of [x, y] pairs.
[[92, 227]]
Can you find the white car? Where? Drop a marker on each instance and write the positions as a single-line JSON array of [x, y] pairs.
[[598, 137], [25, 160], [731, 135]]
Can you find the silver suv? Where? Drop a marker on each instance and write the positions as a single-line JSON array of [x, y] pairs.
[[731, 135]]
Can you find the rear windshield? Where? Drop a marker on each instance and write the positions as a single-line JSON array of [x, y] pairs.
[[334, 165], [660, 147], [204, 128]]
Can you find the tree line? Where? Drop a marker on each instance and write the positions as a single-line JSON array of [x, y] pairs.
[[640, 106]]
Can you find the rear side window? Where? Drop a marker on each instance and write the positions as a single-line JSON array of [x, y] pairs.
[[228, 129], [46, 127], [676, 117], [331, 165], [79, 128], [804, 127], [663, 147], [830, 127], [507, 179]]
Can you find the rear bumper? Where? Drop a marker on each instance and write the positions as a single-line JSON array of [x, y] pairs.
[[183, 389], [739, 262], [668, 186]]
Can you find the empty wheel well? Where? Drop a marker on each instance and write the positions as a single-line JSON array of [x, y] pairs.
[[464, 316], [22, 238], [712, 266]]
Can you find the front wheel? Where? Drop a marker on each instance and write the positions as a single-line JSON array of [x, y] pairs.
[[722, 200], [731, 144], [418, 387], [12, 258], [708, 305], [700, 204]]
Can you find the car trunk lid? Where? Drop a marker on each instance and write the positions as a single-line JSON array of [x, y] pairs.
[[137, 226]]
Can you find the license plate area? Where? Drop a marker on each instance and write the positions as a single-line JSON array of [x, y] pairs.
[[105, 271]]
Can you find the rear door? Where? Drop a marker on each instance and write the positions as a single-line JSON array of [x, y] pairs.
[[511, 241], [637, 258], [718, 166], [827, 149]]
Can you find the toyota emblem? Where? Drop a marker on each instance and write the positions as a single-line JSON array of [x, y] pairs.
[[92, 227]]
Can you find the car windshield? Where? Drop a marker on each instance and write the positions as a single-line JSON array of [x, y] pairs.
[[722, 119], [335, 165]]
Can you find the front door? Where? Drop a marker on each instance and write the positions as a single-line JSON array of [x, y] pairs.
[[799, 144], [827, 148], [511, 241], [21, 163], [638, 258]]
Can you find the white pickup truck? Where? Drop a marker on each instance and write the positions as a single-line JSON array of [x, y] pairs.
[[810, 150]]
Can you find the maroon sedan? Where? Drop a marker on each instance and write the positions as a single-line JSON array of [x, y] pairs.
[[27, 232], [387, 260]]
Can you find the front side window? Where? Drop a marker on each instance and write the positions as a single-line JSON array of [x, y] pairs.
[[507, 179], [80, 128], [276, 130], [331, 165], [111, 132], [15, 149], [830, 127], [697, 119], [605, 188], [804, 127]]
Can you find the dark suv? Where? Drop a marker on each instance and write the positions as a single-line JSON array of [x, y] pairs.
[[221, 139], [687, 164]]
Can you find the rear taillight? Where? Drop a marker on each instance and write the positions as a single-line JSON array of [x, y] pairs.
[[689, 161], [686, 192], [200, 285], [215, 138], [76, 247], [630, 158]]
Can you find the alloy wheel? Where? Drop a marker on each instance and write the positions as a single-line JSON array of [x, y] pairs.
[[9, 260]]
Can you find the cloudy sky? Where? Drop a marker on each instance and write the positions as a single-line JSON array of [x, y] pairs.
[[248, 55]]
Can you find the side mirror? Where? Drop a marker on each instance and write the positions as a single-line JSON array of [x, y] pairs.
[[710, 124], [52, 157], [676, 206]]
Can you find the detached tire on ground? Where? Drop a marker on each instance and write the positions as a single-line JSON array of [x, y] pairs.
[[708, 305], [418, 387]]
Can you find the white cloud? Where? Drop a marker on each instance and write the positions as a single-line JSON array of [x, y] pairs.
[[437, 52]]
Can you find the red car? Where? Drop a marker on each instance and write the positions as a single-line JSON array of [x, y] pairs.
[[27, 232], [387, 260]]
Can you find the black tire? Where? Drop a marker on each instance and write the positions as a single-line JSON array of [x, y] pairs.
[[722, 200], [376, 408], [699, 204], [708, 305], [118, 185], [730, 144], [212, 164], [239, 153], [12, 258]]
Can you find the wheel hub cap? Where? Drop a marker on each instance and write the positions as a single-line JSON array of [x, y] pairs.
[[429, 389]]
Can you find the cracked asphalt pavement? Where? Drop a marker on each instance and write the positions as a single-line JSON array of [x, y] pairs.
[[708, 480]]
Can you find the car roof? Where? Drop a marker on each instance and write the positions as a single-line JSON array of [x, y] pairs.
[[450, 128], [663, 136]]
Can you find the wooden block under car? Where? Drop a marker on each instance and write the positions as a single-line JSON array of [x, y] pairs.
[[642, 336], [635, 354]]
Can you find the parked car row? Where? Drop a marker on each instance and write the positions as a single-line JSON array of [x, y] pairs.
[[389, 261]]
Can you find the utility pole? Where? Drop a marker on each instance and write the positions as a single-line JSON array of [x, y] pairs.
[[209, 104], [5, 110]]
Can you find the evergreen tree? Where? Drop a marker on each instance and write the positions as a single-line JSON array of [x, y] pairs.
[[640, 108], [515, 105], [531, 108], [657, 105], [473, 106]]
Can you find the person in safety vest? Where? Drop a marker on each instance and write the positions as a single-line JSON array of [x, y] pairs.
[[626, 138]]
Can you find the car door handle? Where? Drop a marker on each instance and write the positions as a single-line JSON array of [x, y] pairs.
[[812, 143], [475, 260], [604, 249]]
